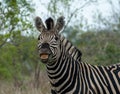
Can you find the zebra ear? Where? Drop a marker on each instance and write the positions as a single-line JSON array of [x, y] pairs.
[[39, 24], [60, 23], [49, 23]]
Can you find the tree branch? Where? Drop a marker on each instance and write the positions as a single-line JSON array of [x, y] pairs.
[[3, 43], [72, 14]]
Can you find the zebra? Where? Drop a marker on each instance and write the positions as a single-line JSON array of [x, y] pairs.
[[66, 72]]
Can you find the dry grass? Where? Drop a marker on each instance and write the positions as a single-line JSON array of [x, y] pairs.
[[27, 88]]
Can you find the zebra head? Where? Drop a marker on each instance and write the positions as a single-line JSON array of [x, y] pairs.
[[49, 39]]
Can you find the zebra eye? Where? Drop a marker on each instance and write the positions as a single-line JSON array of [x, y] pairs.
[[56, 38]]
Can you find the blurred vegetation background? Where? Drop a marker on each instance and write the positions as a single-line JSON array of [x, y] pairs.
[[99, 41]]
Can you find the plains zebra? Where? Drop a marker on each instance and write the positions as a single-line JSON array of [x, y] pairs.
[[67, 74]]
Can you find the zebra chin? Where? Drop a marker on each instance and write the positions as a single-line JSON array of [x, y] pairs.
[[45, 61]]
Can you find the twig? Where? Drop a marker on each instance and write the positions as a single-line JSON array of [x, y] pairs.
[[1, 45], [72, 14]]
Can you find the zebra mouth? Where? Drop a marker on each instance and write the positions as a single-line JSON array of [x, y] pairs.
[[44, 57]]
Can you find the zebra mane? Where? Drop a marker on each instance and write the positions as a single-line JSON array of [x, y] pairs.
[[58, 26], [49, 23], [71, 49]]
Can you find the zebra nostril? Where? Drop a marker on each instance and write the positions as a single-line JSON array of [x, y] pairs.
[[45, 45]]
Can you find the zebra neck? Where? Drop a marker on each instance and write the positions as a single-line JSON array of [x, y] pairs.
[[65, 58], [58, 62], [63, 74]]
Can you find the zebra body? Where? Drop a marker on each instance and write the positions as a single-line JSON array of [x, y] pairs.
[[70, 76], [66, 72]]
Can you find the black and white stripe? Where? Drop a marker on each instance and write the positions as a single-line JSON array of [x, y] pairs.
[[71, 49], [68, 76]]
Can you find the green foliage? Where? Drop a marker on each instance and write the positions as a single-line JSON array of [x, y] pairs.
[[18, 47], [14, 15], [100, 48], [14, 47], [111, 55], [18, 58]]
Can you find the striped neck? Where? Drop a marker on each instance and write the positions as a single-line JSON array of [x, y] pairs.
[[59, 61], [63, 74]]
